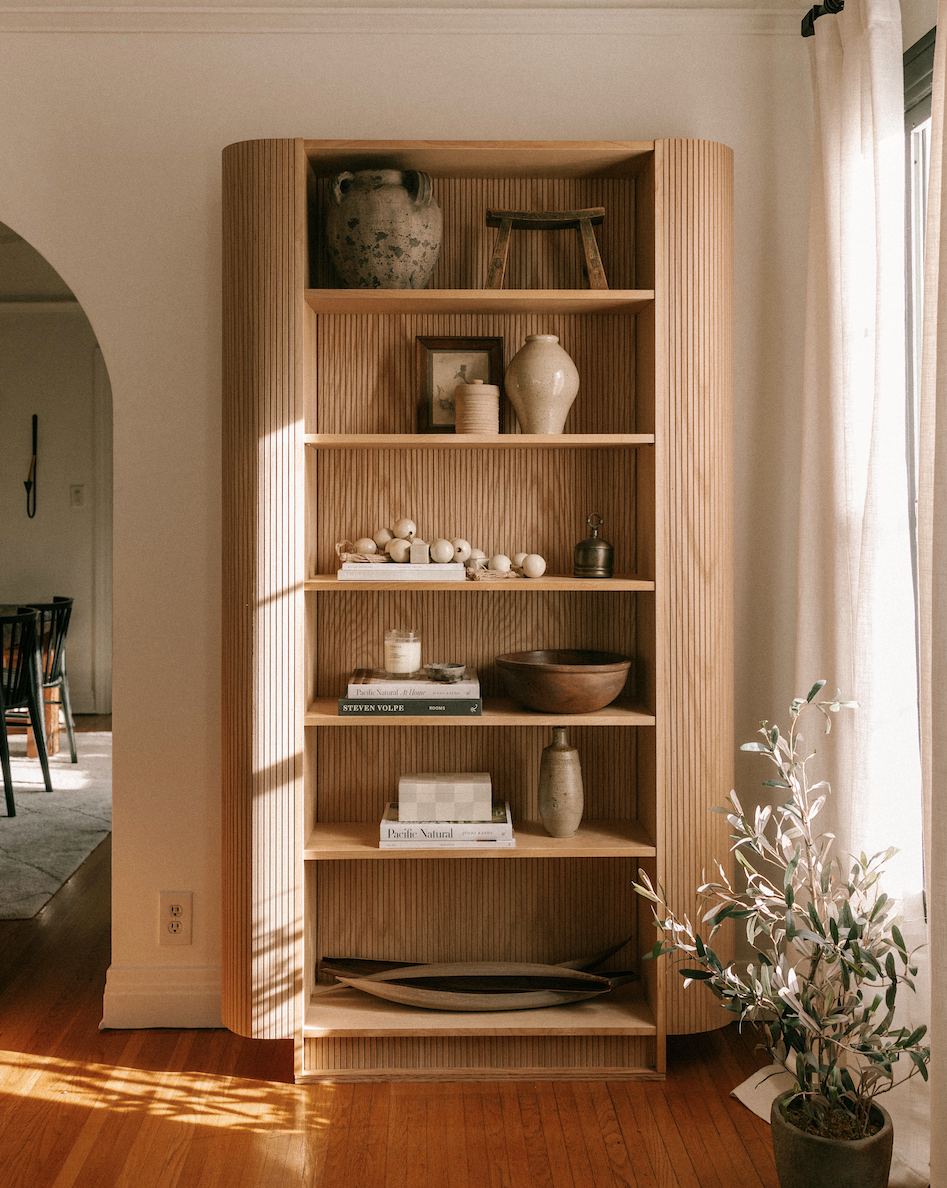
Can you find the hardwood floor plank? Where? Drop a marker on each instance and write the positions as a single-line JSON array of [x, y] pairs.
[[514, 1136], [365, 1157], [534, 1140], [553, 1135], [497, 1155], [645, 1151], [579, 1162], [668, 1139], [479, 1170]]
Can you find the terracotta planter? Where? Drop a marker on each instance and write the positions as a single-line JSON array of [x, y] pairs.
[[807, 1161]]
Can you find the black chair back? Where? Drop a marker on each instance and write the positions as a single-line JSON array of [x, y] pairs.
[[52, 627], [18, 635]]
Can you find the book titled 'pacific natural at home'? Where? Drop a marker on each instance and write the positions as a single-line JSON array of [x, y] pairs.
[[398, 834]]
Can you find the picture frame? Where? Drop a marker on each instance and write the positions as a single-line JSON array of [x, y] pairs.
[[445, 362]]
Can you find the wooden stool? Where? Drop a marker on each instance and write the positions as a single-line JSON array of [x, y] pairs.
[[580, 221]]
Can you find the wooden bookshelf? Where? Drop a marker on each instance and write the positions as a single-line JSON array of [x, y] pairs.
[[322, 444]]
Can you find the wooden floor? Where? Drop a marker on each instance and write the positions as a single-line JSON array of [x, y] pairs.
[[142, 1109]]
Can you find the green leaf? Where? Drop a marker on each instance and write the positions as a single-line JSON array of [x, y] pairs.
[[755, 746], [697, 975], [921, 1063], [816, 688]]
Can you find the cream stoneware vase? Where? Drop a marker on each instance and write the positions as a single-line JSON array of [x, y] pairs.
[[383, 229], [541, 383], [561, 795]]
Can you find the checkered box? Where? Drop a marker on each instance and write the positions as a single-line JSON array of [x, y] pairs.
[[445, 796]]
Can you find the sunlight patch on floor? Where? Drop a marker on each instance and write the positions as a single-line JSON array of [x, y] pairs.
[[181, 1096]]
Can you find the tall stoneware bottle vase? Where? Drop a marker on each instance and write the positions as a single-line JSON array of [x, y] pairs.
[[561, 795]]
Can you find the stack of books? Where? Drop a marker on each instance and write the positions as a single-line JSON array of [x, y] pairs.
[[447, 835], [372, 692]]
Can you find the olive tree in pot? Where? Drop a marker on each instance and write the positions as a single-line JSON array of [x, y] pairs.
[[830, 961]]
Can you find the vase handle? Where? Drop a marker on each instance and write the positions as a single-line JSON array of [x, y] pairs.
[[338, 189], [419, 186]]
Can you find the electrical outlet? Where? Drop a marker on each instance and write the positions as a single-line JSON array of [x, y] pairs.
[[175, 917]]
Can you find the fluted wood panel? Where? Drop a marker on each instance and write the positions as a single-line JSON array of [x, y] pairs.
[[501, 501], [263, 562], [351, 637], [477, 1058], [537, 259], [366, 370], [358, 768], [468, 910], [694, 280]]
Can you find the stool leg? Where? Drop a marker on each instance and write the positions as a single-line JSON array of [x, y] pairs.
[[498, 259], [593, 261]]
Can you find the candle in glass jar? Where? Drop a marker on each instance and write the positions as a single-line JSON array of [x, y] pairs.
[[402, 653]]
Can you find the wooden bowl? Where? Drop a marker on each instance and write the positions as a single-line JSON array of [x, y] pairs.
[[564, 681]]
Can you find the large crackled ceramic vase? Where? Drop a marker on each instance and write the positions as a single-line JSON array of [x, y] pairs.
[[383, 228], [542, 383]]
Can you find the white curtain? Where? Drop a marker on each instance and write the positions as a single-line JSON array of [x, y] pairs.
[[856, 617], [932, 565]]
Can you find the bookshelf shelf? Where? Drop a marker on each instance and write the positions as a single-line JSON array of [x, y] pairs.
[[478, 301], [356, 840], [497, 711], [344, 1011], [479, 441], [322, 583]]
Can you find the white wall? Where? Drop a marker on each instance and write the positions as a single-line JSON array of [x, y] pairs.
[[110, 164]]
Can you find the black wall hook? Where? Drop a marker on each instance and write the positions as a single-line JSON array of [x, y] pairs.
[[30, 483]]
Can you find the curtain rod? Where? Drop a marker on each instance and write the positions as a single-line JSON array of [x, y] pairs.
[[809, 20]]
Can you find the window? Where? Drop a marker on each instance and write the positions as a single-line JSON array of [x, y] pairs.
[[918, 73]]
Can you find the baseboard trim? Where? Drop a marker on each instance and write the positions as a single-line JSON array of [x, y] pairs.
[[162, 996]]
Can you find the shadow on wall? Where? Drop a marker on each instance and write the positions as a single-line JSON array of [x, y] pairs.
[[52, 369]]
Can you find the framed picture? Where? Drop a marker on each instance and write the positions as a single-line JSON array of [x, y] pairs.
[[443, 363]]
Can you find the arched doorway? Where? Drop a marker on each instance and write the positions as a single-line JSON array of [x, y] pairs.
[[52, 369]]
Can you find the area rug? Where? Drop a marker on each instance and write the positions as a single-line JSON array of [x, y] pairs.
[[54, 832]]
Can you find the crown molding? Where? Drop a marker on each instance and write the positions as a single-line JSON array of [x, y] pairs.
[[571, 20]]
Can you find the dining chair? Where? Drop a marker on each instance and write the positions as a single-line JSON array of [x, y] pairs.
[[51, 628], [21, 689]]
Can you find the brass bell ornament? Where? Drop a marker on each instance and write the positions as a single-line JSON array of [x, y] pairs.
[[594, 557]]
